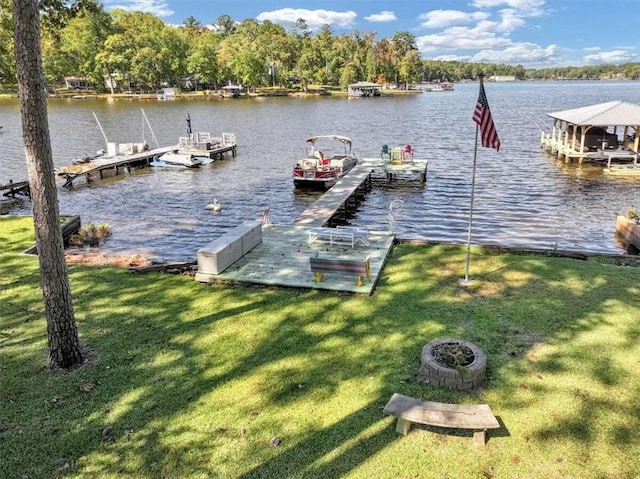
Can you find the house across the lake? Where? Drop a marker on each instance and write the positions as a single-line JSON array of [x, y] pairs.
[[76, 83]]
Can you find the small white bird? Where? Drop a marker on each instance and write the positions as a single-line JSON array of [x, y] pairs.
[[215, 206]]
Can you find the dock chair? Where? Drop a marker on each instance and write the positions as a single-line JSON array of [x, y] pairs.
[[396, 156], [407, 154], [384, 151]]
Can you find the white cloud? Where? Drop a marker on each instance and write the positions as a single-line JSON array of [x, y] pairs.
[[158, 7], [453, 58], [525, 8], [314, 19], [385, 16], [614, 56], [446, 18], [591, 49], [518, 53], [510, 21], [462, 38]]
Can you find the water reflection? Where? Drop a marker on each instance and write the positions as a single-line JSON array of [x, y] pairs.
[[523, 196]]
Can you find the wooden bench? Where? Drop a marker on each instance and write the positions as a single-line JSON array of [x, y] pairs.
[[461, 416], [357, 267]]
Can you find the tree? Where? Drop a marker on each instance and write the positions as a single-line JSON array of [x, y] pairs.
[[62, 333], [224, 25], [202, 59], [78, 45]]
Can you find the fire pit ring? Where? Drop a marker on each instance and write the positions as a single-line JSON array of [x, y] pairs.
[[452, 362]]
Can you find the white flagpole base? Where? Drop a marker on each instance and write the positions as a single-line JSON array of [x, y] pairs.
[[465, 282]]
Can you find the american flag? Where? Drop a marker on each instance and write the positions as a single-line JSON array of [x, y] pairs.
[[482, 117]]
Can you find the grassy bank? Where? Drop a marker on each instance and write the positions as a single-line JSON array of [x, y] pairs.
[[189, 380]]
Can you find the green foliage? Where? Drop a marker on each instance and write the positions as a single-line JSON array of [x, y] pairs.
[[81, 39], [91, 235], [632, 214]]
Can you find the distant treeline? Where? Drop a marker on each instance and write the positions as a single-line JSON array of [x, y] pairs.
[[122, 50]]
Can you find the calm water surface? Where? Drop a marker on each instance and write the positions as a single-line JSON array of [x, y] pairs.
[[523, 197]]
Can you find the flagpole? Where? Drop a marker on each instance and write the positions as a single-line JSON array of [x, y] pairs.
[[466, 281]]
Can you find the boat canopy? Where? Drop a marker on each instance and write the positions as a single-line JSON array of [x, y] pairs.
[[611, 113], [342, 139]]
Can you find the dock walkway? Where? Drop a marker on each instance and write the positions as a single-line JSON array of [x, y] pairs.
[[343, 195], [349, 190]]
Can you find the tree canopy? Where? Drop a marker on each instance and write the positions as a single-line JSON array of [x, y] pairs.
[[81, 39]]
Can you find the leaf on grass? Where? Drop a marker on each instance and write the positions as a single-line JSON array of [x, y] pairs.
[[274, 441], [87, 387]]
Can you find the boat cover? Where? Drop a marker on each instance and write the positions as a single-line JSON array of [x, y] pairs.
[[343, 139]]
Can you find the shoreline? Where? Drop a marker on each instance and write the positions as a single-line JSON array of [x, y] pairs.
[[208, 94]]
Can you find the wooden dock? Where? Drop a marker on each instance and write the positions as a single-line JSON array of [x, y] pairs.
[[101, 167], [392, 170], [282, 259], [12, 189], [203, 144], [343, 197]]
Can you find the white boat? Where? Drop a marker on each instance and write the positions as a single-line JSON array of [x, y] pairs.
[[320, 169], [441, 86], [115, 150], [180, 160]]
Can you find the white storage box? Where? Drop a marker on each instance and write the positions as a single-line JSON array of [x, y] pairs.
[[218, 255], [251, 235]]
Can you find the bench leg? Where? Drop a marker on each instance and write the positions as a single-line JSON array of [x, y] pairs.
[[403, 426], [479, 437], [318, 277]]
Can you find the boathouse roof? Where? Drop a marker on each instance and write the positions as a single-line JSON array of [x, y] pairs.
[[364, 84], [610, 113]]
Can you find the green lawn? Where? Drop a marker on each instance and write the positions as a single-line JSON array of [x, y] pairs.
[[193, 381]]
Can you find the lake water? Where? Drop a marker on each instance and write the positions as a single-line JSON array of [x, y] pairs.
[[523, 197]]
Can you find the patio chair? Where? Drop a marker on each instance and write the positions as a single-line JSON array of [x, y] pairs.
[[384, 151], [407, 154]]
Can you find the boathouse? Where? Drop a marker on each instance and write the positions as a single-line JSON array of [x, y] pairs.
[[586, 133], [364, 88]]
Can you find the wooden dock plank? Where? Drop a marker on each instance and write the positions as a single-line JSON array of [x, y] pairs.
[[321, 212], [378, 165], [282, 259], [117, 161]]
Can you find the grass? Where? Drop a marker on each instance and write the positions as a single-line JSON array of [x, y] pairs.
[[192, 380]]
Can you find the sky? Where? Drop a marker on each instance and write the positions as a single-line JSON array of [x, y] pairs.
[[531, 33]]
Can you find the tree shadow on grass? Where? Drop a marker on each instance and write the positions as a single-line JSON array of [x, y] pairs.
[[186, 371]]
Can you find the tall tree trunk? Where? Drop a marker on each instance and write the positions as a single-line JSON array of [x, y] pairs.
[[62, 334]]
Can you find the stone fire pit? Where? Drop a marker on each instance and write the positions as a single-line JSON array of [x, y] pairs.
[[452, 362]]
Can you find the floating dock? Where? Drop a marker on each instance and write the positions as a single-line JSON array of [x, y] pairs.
[[203, 144], [392, 170]]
